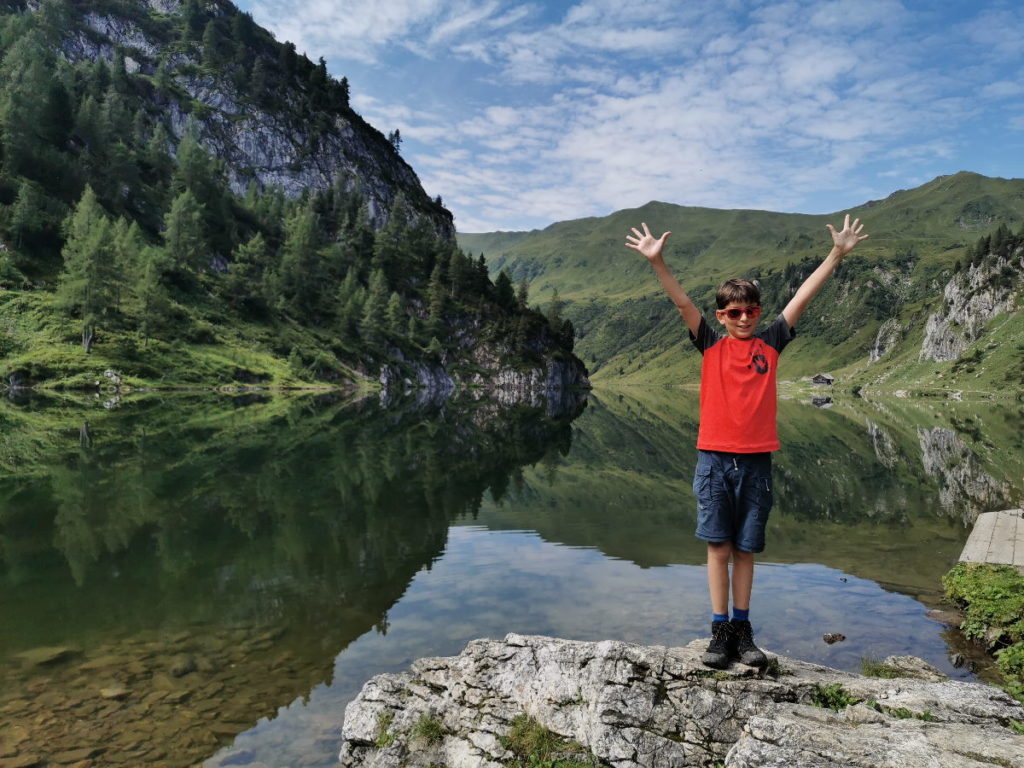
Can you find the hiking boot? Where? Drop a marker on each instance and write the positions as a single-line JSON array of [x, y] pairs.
[[719, 649], [743, 648]]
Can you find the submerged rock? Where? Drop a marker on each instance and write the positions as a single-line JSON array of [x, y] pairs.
[[41, 657], [631, 706]]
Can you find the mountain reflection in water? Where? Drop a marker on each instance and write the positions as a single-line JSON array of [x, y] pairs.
[[178, 569]]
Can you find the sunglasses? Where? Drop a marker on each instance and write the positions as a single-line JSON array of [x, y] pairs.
[[736, 312]]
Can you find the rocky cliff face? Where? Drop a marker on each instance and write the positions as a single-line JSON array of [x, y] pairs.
[[965, 485], [629, 706], [557, 385], [972, 298], [270, 148]]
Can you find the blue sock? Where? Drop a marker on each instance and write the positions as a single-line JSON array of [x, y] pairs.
[[740, 614], [719, 616]]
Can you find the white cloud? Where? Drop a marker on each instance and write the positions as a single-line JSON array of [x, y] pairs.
[[594, 105]]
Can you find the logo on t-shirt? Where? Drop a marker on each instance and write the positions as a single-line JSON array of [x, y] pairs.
[[760, 363]]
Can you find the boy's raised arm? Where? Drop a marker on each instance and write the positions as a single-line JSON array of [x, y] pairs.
[[843, 242], [651, 248]]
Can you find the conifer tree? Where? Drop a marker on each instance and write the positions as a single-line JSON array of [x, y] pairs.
[[374, 320], [523, 293], [245, 272], [28, 217], [504, 293], [391, 251], [436, 294], [154, 302], [350, 300], [183, 234], [214, 46], [396, 316], [300, 263], [128, 245], [86, 285], [554, 313], [456, 272]]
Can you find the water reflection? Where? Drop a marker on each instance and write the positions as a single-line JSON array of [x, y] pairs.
[[197, 566], [178, 556]]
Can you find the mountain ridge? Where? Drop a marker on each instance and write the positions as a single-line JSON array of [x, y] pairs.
[[628, 331]]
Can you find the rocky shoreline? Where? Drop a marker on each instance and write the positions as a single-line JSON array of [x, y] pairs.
[[631, 706]]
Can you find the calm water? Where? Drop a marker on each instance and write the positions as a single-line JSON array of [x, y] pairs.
[[190, 579]]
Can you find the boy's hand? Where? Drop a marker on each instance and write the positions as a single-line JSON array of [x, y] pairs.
[[646, 242], [846, 239]]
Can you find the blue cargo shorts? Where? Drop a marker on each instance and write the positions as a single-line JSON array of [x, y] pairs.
[[734, 497]]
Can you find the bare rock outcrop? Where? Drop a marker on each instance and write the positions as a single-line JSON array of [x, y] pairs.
[[972, 299], [632, 706]]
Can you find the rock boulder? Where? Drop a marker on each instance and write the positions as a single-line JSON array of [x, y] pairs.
[[633, 706]]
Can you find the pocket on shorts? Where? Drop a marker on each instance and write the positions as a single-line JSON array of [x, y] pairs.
[[701, 481], [764, 495]]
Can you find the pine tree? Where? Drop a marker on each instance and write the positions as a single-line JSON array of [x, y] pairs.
[[456, 272], [245, 272], [214, 46], [391, 251], [344, 93], [523, 293], [504, 293], [154, 312], [128, 245], [374, 320], [300, 263], [554, 313], [436, 294], [396, 316], [28, 214], [184, 238], [350, 300], [86, 284]]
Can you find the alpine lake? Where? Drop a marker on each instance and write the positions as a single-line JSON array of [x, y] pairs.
[[207, 579]]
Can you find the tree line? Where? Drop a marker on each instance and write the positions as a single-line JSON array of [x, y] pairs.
[[137, 231]]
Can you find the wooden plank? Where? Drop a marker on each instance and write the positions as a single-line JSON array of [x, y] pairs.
[[998, 538], [976, 548]]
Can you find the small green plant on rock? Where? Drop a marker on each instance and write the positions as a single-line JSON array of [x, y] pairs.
[[384, 736], [832, 696], [534, 746], [429, 729], [874, 668]]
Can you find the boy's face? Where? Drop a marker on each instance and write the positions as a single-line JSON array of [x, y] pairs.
[[740, 320]]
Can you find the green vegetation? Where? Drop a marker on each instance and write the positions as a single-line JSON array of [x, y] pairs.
[[629, 334], [875, 668], [428, 729], [832, 696], [124, 246], [992, 598], [385, 738], [534, 746], [775, 669]]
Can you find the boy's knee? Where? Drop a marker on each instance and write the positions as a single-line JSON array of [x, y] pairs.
[[720, 550], [742, 556]]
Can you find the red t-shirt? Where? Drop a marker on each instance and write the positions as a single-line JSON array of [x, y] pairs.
[[737, 388]]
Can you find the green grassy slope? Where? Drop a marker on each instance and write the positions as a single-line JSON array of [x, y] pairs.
[[628, 331]]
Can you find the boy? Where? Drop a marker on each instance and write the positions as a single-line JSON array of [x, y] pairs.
[[737, 431]]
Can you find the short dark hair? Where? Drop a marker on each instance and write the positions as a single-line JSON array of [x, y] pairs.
[[740, 291]]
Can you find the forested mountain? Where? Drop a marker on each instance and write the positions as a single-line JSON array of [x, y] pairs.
[[931, 300], [183, 199]]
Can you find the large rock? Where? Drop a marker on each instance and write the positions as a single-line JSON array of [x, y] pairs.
[[631, 705]]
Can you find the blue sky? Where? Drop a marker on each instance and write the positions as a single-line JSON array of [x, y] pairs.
[[520, 114]]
